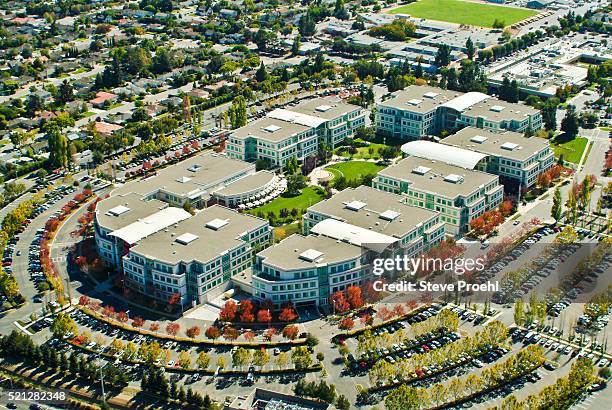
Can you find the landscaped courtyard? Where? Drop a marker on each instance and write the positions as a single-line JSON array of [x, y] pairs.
[[571, 149], [354, 169], [464, 12], [309, 196]]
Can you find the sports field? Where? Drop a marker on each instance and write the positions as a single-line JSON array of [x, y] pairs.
[[464, 12]]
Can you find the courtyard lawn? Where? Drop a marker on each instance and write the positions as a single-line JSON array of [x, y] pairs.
[[571, 150], [464, 12], [364, 152], [354, 169], [309, 196]]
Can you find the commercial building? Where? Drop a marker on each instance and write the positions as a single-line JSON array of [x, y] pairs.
[[194, 259], [262, 399], [295, 131], [416, 229], [419, 111], [341, 233], [142, 208], [191, 181], [459, 194], [129, 210], [306, 270], [512, 156]]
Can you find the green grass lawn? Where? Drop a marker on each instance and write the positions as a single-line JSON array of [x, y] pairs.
[[464, 12], [354, 169], [115, 105], [571, 150], [309, 196], [281, 232], [364, 152], [88, 114]]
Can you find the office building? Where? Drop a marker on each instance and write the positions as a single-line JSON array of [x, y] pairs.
[[459, 194], [420, 111]]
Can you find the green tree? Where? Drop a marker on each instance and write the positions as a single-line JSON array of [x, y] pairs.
[[342, 403], [295, 182], [295, 47], [443, 55], [58, 147], [549, 113], [261, 74], [557, 205], [63, 325], [570, 124], [238, 112], [470, 50], [402, 398]]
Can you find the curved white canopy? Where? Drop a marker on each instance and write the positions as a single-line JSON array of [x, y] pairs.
[[446, 153]]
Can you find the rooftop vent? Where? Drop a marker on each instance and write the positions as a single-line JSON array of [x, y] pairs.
[[217, 223], [272, 128], [454, 178], [323, 108], [311, 255], [186, 238], [118, 210], [415, 101], [431, 95], [478, 139], [355, 205], [510, 146], [389, 215], [183, 180], [497, 108], [195, 168], [421, 170]]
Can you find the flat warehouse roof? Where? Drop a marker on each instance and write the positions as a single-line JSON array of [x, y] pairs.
[[248, 183], [302, 252], [435, 180], [383, 212], [490, 143], [497, 110]]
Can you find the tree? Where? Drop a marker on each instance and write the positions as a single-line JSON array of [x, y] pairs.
[[290, 332], [295, 47], [241, 357], [339, 302], [58, 147], [570, 124], [340, 11], [470, 50], [193, 332], [287, 314], [342, 403], [63, 325], [261, 74], [499, 24], [238, 112], [172, 328], [184, 359], [443, 55], [203, 361], [65, 93], [300, 356], [221, 362], [306, 25], [261, 357], [264, 316], [557, 206], [402, 398], [228, 312], [549, 113], [231, 333], [353, 294], [346, 324], [295, 183]]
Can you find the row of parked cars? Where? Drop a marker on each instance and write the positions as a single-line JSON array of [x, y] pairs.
[[34, 267]]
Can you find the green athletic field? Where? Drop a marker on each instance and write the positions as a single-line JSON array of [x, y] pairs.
[[464, 12]]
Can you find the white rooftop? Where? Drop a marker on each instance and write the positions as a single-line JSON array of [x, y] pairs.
[[311, 255], [355, 205], [144, 227], [389, 215], [439, 152], [118, 210], [217, 224], [478, 139], [352, 234], [323, 108], [296, 117], [272, 128], [186, 238], [510, 146], [465, 101]]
